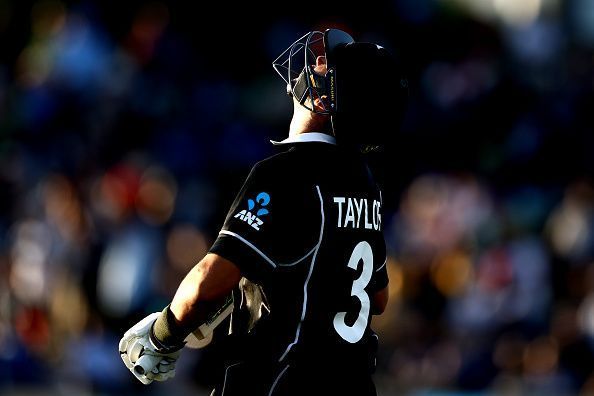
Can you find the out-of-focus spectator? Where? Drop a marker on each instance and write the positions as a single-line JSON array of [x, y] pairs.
[[124, 128]]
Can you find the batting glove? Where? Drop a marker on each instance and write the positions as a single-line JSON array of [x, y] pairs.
[[143, 358]]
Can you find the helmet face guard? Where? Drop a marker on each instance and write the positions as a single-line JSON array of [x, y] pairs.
[[296, 66], [363, 89]]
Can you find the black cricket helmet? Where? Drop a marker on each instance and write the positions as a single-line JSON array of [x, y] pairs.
[[364, 89]]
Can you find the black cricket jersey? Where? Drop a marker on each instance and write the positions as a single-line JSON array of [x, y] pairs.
[[306, 231]]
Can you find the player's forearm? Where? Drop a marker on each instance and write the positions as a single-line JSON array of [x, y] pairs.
[[191, 299], [379, 301], [210, 281], [202, 292]]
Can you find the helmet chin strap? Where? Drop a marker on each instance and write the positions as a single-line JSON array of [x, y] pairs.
[[302, 85], [332, 126], [299, 88]]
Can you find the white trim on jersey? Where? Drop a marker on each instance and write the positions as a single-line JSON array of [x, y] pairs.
[[225, 380], [264, 256], [311, 267], [242, 239], [308, 137], [277, 379], [382, 266], [301, 259]]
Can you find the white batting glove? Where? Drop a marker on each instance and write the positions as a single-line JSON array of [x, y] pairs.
[[142, 357]]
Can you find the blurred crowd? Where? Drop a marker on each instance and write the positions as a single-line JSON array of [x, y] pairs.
[[126, 130], [491, 292]]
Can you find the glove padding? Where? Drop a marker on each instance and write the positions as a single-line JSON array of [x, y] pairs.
[[155, 365]]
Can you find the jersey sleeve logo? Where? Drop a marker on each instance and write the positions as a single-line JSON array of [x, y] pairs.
[[255, 210]]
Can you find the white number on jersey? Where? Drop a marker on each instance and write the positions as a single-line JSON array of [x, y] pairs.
[[354, 333]]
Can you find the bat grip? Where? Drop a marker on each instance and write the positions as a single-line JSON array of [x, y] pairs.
[[145, 364]]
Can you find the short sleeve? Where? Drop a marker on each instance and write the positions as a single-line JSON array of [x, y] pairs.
[[379, 279], [273, 221]]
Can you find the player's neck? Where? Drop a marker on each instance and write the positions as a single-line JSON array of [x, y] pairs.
[[305, 122]]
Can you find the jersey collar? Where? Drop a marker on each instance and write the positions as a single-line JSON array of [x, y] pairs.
[[308, 137]]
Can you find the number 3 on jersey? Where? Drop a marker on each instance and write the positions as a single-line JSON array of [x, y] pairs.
[[354, 333]]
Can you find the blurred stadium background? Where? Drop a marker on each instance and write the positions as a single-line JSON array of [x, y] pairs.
[[127, 127]]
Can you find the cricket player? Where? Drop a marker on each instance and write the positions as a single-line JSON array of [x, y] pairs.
[[301, 251]]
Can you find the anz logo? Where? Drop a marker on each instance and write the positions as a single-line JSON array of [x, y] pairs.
[[249, 217]]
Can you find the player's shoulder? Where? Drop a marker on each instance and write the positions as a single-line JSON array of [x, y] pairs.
[[280, 165]]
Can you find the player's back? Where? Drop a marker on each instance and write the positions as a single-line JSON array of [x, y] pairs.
[[339, 280], [321, 258]]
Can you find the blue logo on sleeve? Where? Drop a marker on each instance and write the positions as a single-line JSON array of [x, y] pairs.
[[257, 206]]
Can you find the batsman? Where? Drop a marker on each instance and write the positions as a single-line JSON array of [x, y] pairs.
[[300, 262]]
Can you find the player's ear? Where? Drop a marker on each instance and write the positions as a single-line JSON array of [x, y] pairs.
[[321, 103], [320, 61]]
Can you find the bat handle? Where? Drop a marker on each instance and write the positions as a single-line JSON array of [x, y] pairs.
[[145, 364]]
